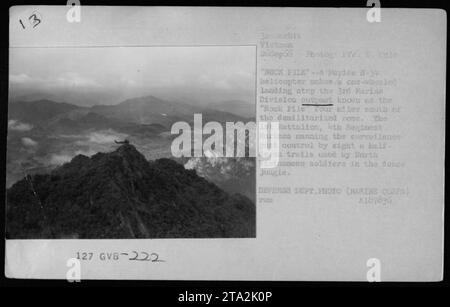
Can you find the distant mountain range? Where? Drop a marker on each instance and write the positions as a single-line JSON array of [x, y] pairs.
[[122, 195], [44, 134], [35, 112], [143, 110]]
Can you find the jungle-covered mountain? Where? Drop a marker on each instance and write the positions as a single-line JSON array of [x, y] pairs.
[[121, 194]]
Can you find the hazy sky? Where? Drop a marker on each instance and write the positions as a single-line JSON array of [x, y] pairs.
[[111, 74]]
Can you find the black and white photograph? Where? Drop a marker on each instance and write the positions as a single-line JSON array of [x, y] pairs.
[[89, 143], [224, 145]]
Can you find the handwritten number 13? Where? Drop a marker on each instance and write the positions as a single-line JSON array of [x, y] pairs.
[[33, 19]]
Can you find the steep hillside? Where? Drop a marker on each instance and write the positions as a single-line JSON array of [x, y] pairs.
[[122, 195], [38, 111]]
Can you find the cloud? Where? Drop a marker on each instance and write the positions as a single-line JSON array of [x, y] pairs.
[[88, 153], [75, 80], [20, 78], [58, 159], [128, 82], [29, 142], [111, 75], [105, 137], [63, 80], [64, 157], [16, 125]]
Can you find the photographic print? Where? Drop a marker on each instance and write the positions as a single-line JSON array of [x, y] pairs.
[[92, 146], [225, 143]]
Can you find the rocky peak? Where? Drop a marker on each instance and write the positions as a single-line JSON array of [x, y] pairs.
[[122, 195]]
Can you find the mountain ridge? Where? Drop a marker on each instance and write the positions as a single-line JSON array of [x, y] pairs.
[[141, 110], [122, 195]]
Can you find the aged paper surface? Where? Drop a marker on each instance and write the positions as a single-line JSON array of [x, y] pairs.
[[361, 112]]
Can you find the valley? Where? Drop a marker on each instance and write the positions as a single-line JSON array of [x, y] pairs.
[[44, 134]]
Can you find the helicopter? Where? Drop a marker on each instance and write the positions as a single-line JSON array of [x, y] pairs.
[[122, 142]]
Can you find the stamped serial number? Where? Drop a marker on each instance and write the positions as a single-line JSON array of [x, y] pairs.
[[116, 256]]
